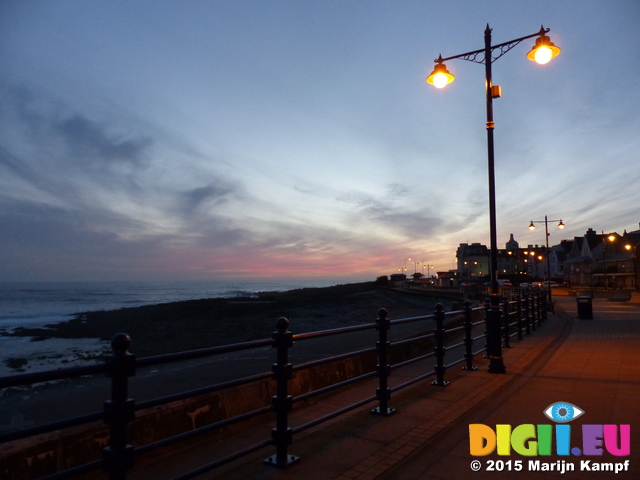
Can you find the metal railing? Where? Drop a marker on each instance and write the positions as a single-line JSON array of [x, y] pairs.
[[520, 317]]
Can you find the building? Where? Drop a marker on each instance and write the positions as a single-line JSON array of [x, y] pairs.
[[473, 261], [592, 260]]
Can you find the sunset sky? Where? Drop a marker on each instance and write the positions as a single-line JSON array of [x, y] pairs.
[[204, 139]]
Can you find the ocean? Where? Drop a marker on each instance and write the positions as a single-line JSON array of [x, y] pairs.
[[33, 304]]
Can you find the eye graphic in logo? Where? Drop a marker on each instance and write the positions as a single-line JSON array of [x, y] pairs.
[[562, 412]]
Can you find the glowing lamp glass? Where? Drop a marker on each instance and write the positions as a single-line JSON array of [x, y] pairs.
[[440, 80], [543, 55], [543, 51], [440, 76]]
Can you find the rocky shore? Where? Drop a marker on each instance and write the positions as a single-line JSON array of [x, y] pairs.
[[179, 326]]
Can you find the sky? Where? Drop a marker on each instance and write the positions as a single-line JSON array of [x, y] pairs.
[[194, 140]]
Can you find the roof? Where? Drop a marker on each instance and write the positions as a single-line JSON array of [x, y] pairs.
[[583, 259]]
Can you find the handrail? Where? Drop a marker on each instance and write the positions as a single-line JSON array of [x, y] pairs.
[[529, 312], [202, 352], [334, 331]]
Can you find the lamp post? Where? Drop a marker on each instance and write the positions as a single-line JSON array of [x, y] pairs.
[[611, 238], [428, 265], [546, 230], [543, 51], [405, 265], [634, 262]]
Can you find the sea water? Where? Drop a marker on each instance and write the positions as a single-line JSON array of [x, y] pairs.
[[31, 304], [34, 304]]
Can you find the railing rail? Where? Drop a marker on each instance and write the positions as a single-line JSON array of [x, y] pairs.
[[519, 317]]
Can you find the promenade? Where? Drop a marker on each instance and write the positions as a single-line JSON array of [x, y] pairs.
[[593, 364]]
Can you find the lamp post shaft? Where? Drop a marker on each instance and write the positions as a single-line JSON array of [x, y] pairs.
[[604, 260], [496, 363], [493, 267], [546, 232]]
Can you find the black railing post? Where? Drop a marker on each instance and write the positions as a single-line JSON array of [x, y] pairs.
[[487, 312], [468, 339], [383, 392], [525, 313], [507, 319], [282, 435], [532, 312], [538, 310], [519, 324], [541, 311], [120, 410], [439, 350]]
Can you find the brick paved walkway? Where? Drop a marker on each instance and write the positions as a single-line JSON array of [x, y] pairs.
[[593, 364]]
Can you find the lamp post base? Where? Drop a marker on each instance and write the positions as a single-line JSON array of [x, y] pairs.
[[494, 337], [496, 365]]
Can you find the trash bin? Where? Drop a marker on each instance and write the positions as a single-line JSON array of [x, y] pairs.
[[585, 308]]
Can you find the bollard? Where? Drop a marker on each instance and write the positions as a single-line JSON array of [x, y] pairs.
[[282, 435], [468, 339], [120, 410], [439, 350], [506, 318], [383, 392]]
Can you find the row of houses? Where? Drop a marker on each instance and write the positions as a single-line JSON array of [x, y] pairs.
[[594, 259]]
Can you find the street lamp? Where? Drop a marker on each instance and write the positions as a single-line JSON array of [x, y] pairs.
[[546, 230], [542, 52], [405, 265], [428, 265], [611, 238], [634, 262]]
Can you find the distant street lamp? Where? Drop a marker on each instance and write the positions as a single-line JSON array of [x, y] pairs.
[[611, 238], [543, 51], [405, 265], [634, 262], [428, 267], [546, 230]]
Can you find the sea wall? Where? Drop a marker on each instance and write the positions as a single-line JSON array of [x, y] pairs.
[[45, 454]]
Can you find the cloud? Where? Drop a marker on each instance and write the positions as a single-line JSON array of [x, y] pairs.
[[90, 140], [212, 194], [397, 210], [63, 153]]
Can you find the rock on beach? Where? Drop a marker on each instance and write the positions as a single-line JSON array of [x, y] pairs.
[[193, 324]]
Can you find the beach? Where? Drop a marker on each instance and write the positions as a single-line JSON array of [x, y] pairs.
[[179, 326], [192, 324]]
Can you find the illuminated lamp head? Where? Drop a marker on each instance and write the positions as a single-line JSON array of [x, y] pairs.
[[543, 51], [440, 76]]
